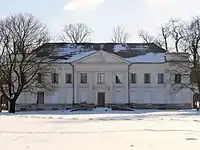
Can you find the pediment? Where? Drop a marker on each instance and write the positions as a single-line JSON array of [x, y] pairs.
[[103, 57]]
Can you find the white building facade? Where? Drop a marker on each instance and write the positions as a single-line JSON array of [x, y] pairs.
[[100, 78]]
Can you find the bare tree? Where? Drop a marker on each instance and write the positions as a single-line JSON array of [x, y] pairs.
[[147, 38], [192, 40], [144, 35], [189, 70], [171, 32], [165, 35], [184, 37], [119, 35], [76, 33], [21, 61], [176, 33]]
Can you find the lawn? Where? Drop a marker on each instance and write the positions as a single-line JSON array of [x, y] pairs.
[[101, 130]]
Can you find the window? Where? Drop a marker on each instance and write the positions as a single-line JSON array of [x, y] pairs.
[[101, 78], [55, 78], [40, 97], [68, 78], [177, 78], [147, 78], [83, 77], [39, 77], [133, 78], [160, 78], [118, 78]]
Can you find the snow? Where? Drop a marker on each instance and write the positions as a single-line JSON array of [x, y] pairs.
[[119, 47], [73, 52], [99, 129], [124, 47], [71, 49], [141, 48], [80, 55], [78, 52], [148, 58], [65, 51]]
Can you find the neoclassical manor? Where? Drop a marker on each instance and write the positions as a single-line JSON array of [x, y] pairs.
[[107, 74]]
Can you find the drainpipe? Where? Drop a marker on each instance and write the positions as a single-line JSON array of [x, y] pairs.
[[129, 102], [73, 85]]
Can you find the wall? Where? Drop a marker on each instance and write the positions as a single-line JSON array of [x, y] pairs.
[[92, 88], [140, 93], [61, 93], [148, 93]]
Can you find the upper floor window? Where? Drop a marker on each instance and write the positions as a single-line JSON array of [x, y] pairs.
[[101, 78], [177, 78], [39, 78], [118, 78], [160, 78], [83, 77], [68, 78], [133, 78], [55, 78], [147, 78]]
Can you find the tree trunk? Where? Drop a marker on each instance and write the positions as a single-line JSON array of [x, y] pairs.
[[12, 106], [176, 46]]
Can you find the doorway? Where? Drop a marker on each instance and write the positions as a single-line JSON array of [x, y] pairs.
[[101, 99]]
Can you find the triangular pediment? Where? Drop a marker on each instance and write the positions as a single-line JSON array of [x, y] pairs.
[[102, 57]]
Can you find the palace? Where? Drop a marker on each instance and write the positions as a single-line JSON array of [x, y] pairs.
[[107, 74]]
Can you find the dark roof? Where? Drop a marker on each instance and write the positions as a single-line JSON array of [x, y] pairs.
[[132, 49]]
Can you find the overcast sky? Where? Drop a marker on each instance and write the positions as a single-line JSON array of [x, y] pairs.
[[103, 15]]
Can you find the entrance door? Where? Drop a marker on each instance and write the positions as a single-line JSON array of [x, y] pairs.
[[101, 99], [40, 97]]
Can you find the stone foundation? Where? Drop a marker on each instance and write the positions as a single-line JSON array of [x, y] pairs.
[[162, 106], [35, 107]]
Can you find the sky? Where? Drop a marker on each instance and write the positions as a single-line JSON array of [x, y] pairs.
[[103, 15]]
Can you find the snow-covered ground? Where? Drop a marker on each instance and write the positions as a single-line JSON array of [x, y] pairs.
[[101, 130]]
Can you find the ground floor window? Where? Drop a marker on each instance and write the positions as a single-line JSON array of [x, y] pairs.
[[40, 97], [68, 78]]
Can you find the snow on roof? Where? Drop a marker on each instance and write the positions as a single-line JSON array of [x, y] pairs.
[[70, 50], [118, 48], [80, 56], [125, 47], [148, 58], [65, 51], [141, 48]]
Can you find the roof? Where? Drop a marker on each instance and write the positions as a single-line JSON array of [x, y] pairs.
[[72, 52], [109, 47]]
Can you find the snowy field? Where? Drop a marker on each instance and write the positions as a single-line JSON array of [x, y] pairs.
[[100, 130]]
